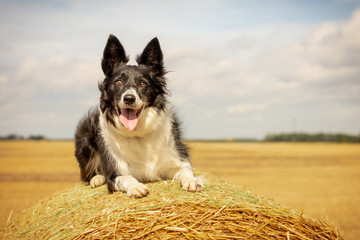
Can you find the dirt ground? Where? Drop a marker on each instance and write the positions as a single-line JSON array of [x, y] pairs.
[[322, 180]]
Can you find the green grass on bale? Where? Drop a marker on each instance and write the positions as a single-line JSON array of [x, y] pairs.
[[221, 211]]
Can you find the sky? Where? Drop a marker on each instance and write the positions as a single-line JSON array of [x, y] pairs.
[[237, 68]]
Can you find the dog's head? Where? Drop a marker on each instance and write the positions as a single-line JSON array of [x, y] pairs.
[[127, 90]]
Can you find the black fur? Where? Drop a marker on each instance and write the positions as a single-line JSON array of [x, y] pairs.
[[86, 137], [150, 74], [114, 53], [180, 146]]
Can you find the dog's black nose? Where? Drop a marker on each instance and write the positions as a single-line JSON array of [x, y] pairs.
[[129, 99]]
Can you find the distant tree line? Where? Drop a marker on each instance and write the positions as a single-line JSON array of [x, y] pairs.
[[281, 137], [316, 137], [20, 137]]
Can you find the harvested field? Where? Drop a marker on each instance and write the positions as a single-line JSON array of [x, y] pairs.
[[321, 180]]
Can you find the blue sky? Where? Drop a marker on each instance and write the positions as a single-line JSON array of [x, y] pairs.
[[237, 68]]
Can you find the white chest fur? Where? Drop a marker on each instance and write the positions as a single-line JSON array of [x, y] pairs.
[[148, 153]]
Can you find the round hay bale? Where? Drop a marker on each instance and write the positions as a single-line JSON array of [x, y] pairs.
[[221, 211]]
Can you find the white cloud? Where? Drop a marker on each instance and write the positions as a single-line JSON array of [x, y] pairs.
[[320, 66], [59, 72], [317, 68], [244, 108], [3, 79], [334, 48]]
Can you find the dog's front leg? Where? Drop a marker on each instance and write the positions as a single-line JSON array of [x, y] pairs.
[[116, 182], [131, 186], [188, 181]]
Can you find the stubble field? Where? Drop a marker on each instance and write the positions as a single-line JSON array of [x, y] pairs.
[[322, 180]]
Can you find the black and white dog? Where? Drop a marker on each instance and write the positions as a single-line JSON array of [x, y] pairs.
[[134, 136]]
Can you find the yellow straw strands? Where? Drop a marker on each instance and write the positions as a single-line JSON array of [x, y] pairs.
[[221, 211]]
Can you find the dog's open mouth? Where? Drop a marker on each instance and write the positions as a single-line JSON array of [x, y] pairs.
[[129, 117]]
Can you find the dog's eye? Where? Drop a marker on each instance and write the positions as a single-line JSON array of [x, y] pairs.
[[119, 82], [143, 84]]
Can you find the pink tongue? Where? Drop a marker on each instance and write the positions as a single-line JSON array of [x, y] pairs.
[[128, 118]]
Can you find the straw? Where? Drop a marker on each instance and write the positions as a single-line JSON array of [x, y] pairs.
[[221, 211]]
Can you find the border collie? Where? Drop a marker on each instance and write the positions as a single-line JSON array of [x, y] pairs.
[[133, 137]]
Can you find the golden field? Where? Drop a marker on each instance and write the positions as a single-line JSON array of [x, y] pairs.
[[322, 180]]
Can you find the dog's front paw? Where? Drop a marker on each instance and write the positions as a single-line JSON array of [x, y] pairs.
[[132, 187], [97, 181], [192, 185], [138, 190]]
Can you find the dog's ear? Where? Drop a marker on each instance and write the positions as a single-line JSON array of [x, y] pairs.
[[114, 53], [152, 57]]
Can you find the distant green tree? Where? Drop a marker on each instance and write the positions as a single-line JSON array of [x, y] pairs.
[[306, 137], [12, 136], [37, 137]]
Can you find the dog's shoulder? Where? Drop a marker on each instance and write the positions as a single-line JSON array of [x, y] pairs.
[[89, 124]]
